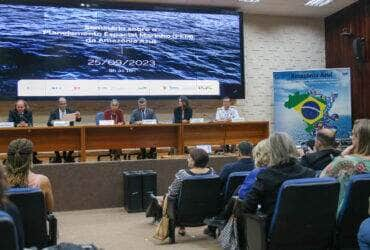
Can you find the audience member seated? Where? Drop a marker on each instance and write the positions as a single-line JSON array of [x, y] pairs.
[[60, 114], [18, 168], [197, 166], [245, 162], [324, 150], [354, 160], [137, 117], [21, 115], [261, 159], [11, 209], [116, 114], [183, 113], [225, 114], [283, 166], [364, 235]]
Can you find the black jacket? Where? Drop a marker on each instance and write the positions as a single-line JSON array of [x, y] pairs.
[[319, 160], [267, 185], [55, 116], [177, 113], [17, 118]]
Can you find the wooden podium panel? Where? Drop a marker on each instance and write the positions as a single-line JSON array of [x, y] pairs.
[[241, 131], [203, 133], [44, 138], [132, 136]]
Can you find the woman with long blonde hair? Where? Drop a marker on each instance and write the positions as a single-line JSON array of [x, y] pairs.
[[18, 168]]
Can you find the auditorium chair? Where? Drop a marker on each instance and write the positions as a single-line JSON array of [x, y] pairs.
[[233, 182], [353, 211], [8, 233], [304, 217], [40, 228], [199, 198]]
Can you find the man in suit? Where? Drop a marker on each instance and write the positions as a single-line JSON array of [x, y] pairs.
[[137, 117], [58, 114], [21, 115]]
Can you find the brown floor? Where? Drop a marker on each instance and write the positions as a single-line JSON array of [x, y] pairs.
[[115, 229]]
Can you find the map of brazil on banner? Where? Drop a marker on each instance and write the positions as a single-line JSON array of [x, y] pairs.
[[308, 100]]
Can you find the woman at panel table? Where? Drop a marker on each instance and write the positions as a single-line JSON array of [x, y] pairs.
[[183, 112], [21, 115], [116, 114]]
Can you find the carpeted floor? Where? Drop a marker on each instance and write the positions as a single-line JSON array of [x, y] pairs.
[[114, 229]]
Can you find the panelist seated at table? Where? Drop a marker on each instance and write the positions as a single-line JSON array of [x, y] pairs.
[[66, 114], [21, 115], [137, 117], [183, 112], [115, 114], [226, 112]]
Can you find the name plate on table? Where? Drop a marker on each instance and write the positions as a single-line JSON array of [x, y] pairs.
[[196, 120], [61, 123], [241, 119], [149, 121], [207, 148], [6, 124], [106, 122]]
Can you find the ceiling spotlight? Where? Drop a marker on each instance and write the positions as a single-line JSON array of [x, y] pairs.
[[318, 3], [249, 1]]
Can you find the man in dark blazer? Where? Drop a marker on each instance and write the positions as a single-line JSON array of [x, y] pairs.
[[21, 115], [137, 117], [58, 114], [142, 112]]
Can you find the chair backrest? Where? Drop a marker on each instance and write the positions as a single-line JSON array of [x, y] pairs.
[[305, 214], [353, 211], [233, 182], [31, 205], [8, 232], [98, 117], [200, 197]]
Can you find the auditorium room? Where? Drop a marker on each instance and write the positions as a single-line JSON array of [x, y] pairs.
[[185, 124]]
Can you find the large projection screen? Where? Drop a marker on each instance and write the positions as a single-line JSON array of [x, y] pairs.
[[96, 51]]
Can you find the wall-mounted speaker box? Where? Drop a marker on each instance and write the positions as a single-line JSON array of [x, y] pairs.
[[358, 47]]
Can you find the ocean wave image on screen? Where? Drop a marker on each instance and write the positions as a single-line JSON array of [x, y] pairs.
[[202, 46]]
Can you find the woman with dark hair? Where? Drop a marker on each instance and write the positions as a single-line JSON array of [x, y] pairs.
[[183, 112], [11, 209], [18, 168], [197, 166]]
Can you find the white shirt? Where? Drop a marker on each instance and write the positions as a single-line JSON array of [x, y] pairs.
[[223, 114], [62, 113]]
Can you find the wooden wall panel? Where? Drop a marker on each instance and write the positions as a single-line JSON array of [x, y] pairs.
[[356, 19]]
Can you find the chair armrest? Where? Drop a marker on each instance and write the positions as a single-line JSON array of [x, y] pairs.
[[53, 229], [255, 231], [171, 207]]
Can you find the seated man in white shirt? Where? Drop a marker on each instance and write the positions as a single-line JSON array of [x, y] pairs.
[[226, 113]]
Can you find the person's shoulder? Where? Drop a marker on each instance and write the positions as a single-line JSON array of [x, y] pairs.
[[135, 110], [219, 109]]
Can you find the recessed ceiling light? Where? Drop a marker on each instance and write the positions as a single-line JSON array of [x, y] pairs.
[[318, 3], [249, 1]]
